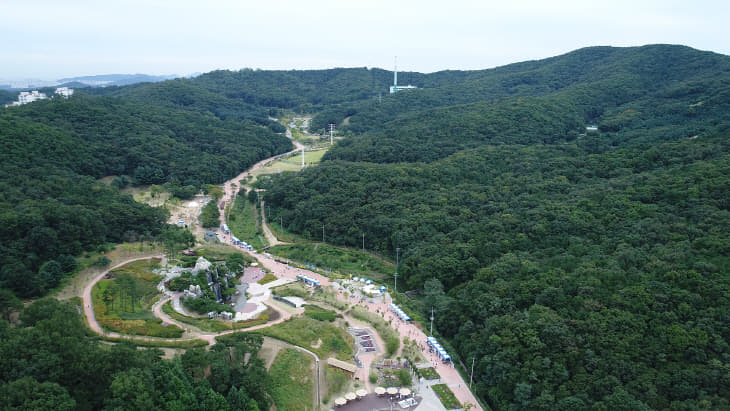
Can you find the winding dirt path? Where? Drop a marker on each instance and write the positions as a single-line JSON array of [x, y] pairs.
[[448, 373], [270, 237], [89, 305]]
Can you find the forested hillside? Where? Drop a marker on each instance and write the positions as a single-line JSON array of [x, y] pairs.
[[7, 97], [52, 207], [599, 81], [582, 270], [257, 94], [49, 363]]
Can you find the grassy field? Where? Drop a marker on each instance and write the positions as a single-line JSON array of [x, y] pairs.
[[336, 383], [88, 267], [291, 163], [206, 324], [282, 234], [244, 223], [121, 304], [319, 313], [291, 381], [342, 261], [322, 338], [446, 396]]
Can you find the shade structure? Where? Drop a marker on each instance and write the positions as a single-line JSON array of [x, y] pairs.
[[361, 393], [404, 392], [350, 396], [379, 390], [392, 391], [340, 401]]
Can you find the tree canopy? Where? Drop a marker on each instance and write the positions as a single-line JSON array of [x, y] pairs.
[[580, 269], [65, 369]]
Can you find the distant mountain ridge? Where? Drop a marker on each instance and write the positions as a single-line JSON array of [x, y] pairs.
[[102, 80], [118, 79]]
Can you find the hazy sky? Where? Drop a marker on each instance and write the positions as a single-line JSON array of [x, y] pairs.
[[49, 39]]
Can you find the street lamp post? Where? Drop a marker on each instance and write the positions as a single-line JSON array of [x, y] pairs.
[[431, 321]]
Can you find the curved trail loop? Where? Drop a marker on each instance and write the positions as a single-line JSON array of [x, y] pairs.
[[449, 375]]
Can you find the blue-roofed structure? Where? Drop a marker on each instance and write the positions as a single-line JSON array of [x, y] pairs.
[[400, 313], [439, 349], [308, 280]]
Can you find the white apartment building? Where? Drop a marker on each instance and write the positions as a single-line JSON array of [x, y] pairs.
[[26, 97], [64, 92]]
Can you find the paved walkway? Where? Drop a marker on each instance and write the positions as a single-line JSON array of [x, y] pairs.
[[448, 374]]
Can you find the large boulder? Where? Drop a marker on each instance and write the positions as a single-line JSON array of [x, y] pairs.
[[201, 265]]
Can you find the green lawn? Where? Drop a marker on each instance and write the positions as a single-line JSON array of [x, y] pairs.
[[244, 223], [268, 278], [291, 383], [342, 261], [310, 157], [307, 332]]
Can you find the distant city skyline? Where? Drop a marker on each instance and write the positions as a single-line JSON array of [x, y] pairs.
[[49, 40]]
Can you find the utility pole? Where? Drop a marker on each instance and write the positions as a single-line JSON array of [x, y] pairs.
[[302, 156], [323, 233], [397, 252], [363, 242], [431, 321], [471, 377], [332, 131]]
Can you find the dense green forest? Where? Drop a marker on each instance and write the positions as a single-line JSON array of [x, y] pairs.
[[49, 363], [582, 270], [256, 95], [7, 97], [52, 207], [598, 80]]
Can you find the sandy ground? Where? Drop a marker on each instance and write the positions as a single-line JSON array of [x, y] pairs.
[[188, 212]]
